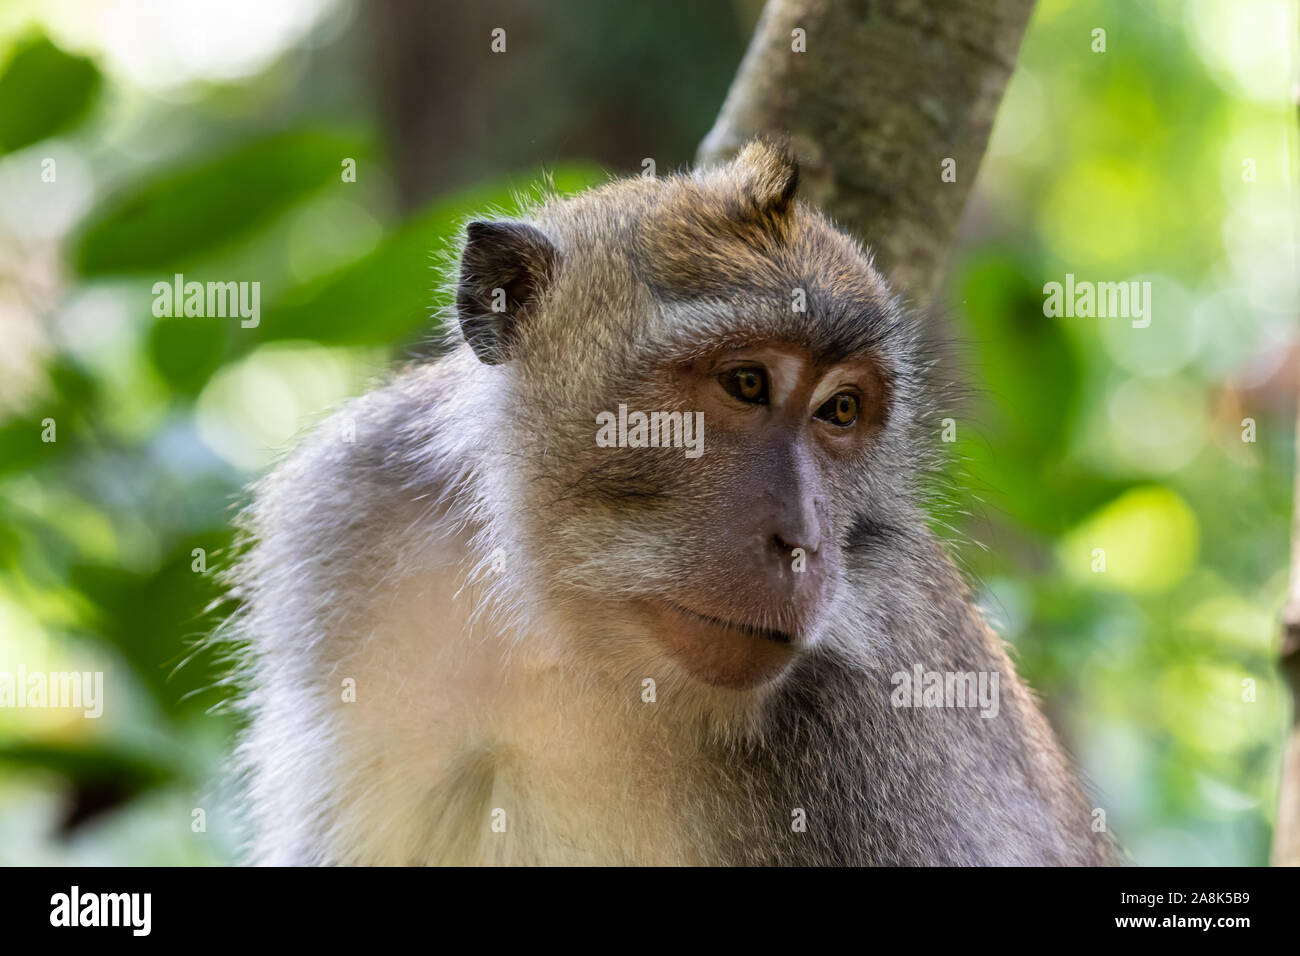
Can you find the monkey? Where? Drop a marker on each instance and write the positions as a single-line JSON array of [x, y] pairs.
[[478, 635]]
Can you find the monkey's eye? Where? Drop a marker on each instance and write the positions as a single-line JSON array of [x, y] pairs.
[[747, 383], [840, 409]]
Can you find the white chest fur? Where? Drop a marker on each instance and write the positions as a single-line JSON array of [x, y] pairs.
[[461, 744]]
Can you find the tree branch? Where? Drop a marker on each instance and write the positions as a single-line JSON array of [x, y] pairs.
[[886, 90], [1286, 835]]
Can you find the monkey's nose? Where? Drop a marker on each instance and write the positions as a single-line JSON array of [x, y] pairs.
[[797, 530], [786, 547]]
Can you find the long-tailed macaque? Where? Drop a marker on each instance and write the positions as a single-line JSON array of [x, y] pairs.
[[638, 572]]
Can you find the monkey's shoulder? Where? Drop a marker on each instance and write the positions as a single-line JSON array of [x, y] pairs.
[[372, 458], [362, 499]]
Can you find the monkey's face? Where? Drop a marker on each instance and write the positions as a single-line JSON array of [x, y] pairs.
[[722, 552], [689, 452], [756, 519]]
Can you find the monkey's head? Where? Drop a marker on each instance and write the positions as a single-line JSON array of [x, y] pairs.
[[608, 327]]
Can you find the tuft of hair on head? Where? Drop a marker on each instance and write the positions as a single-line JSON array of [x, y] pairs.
[[768, 175]]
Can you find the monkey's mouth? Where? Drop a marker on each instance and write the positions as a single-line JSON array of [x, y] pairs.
[[721, 652], [749, 630]]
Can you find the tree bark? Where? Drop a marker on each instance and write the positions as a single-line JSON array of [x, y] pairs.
[[885, 92], [1286, 835]]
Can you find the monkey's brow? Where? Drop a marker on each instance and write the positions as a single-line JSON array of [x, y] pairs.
[[835, 332]]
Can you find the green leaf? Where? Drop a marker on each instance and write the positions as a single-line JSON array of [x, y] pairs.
[[1026, 361], [44, 91], [1150, 538], [187, 351], [72, 392], [82, 763], [1028, 390], [159, 621], [168, 221], [389, 295], [100, 776]]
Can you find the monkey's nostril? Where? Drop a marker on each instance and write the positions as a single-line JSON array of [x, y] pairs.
[[785, 547]]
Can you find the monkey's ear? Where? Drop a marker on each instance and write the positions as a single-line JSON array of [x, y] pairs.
[[504, 268], [770, 175]]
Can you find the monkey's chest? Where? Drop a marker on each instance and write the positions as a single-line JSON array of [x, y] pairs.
[[470, 751], [571, 796]]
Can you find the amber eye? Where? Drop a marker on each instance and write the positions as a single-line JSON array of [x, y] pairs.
[[747, 383], [840, 409]]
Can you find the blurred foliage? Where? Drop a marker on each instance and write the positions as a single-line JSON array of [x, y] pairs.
[[1133, 528], [1084, 434], [173, 219], [44, 91]]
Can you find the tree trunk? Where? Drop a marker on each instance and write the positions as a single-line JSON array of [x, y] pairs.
[[1286, 836], [885, 92]]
